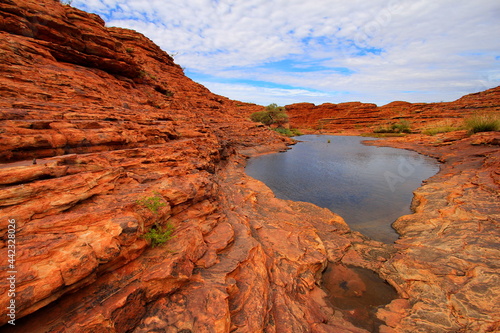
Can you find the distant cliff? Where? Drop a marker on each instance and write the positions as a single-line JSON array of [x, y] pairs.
[[365, 117]]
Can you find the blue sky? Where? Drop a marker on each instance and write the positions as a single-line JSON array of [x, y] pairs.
[[290, 51]]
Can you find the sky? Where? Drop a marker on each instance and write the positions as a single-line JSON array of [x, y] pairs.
[[317, 51]]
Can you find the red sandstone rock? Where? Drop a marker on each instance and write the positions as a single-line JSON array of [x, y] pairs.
[[101, 142], [358, 117], [111, 119]]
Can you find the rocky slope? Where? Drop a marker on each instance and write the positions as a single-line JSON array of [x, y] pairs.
[[111, 120], [356, 117]]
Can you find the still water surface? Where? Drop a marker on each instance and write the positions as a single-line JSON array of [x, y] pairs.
[[370, 187]]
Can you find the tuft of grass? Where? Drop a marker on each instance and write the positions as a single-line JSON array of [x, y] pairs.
[[443, 126], [383, 129], [382, 135], [439, 129], [144, 74], [482, 123], [159, 235]]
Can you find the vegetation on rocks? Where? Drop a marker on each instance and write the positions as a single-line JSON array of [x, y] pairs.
[[272, 115], [443, 126], [288, 131], [483, 123], [382, 135], [152, 203], [159, 235], [440, 129], [402, 126]]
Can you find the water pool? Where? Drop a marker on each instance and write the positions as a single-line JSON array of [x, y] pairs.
[[370, 187]]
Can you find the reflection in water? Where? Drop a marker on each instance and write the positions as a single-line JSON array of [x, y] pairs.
[[358, 293], [370, 187]]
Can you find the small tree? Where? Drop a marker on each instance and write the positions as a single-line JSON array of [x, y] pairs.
[[273, 114], [262, 117]]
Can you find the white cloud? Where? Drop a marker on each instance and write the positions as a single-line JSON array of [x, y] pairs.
[[266, 96], [437, 50]]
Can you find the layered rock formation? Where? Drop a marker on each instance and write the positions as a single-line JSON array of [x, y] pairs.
[[110, 120], [356, 117], [96, 119]]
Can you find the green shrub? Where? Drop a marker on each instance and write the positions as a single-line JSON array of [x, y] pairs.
[[401, 127], [159, 235], [482, 123], [288, 132], [153, 203]]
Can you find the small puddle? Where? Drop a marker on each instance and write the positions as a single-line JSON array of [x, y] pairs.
[[358, 293]]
